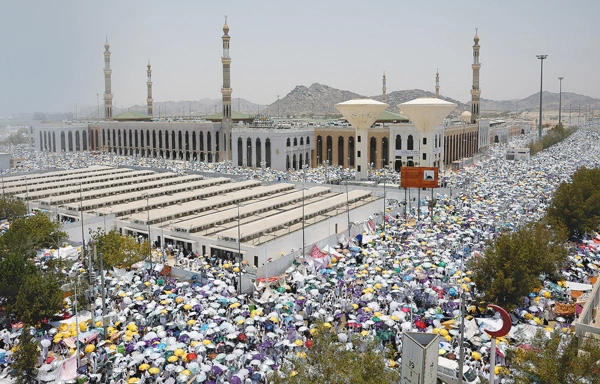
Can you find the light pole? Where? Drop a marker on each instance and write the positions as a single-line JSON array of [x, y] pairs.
[[239, 248], [542, 58], [148, 223], [26, 193], [560, 79], [98, 105]]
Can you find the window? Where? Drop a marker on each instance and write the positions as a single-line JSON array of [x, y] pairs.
[[409, 143], [358, 138], [424, 156], [424, 141], [289, 142], [295, 141], [358, 168], [358, 155], [398, 142]]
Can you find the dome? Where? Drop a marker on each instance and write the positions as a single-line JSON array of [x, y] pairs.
[[465, 116], [106, 45], [476, 39], [225, 28]]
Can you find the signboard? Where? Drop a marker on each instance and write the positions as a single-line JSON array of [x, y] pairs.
[[419, 177], [419, 358]]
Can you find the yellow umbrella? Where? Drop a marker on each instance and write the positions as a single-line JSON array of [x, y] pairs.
[[364, 333], [179, 299], [172, 359], [186, 372], [327, 325], [235, 305], [179, 352], [301, 354], [206, 342], [154, 370], [89, 348], [133, 380], [298, 342], [476, 355], [144, 367], [187, 307], [274, 319], [191, 322]]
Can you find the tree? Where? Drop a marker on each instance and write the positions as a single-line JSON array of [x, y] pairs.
[[40, 296], [11, 208], [576, 205], [118, 250], [560, 359], [329, 362], [30, 233], [512, 265], [25, 358], [14, 269]]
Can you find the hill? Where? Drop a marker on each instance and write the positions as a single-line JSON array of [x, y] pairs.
[[532, 103], [320, 99]]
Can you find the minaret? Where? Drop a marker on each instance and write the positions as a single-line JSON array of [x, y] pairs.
[[384, 97], [475, 91], [108, 97], [437, 84], [226, 88], [149, 84]]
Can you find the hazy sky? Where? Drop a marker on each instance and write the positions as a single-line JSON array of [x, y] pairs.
[[53, 59]]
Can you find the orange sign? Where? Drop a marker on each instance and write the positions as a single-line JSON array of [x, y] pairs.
[[419, 177]]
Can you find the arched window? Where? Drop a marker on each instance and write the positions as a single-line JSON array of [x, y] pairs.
[[319, 150], [302, 141], [340, 158], [295, 141], [70, 137], [287, 161], [258, 153], [289, 142], [329, 149], [84, 140], [373, 152], [385, 146], [249, 152], [409, 143], [398, 142], [268, 152], [351, 151], [240, 151], [307, 140]]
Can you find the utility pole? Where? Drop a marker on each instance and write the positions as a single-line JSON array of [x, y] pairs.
[[560, 79], [542, 58]]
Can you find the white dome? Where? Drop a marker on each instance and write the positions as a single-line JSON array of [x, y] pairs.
[[465, 116]]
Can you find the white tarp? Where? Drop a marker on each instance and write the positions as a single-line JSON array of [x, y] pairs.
[[579, 286]]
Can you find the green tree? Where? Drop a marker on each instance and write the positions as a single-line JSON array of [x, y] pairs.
[[118, 250], [576, 205], [11, 208], [512, 265], [25, 358], [40, 296], [14, 270], [329, 362], [560, 359], [27, 234]]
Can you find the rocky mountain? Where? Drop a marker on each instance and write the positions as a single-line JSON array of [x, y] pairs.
[[180, 108], [319, 99], [549, 100]]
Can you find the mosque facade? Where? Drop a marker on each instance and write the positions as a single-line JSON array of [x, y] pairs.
[[390, 145]]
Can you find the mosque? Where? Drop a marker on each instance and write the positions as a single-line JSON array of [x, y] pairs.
[[253, 144]]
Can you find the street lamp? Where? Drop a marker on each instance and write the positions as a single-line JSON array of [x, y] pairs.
[[542, 58], [239, 248], [560, 79], [148, 223]]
